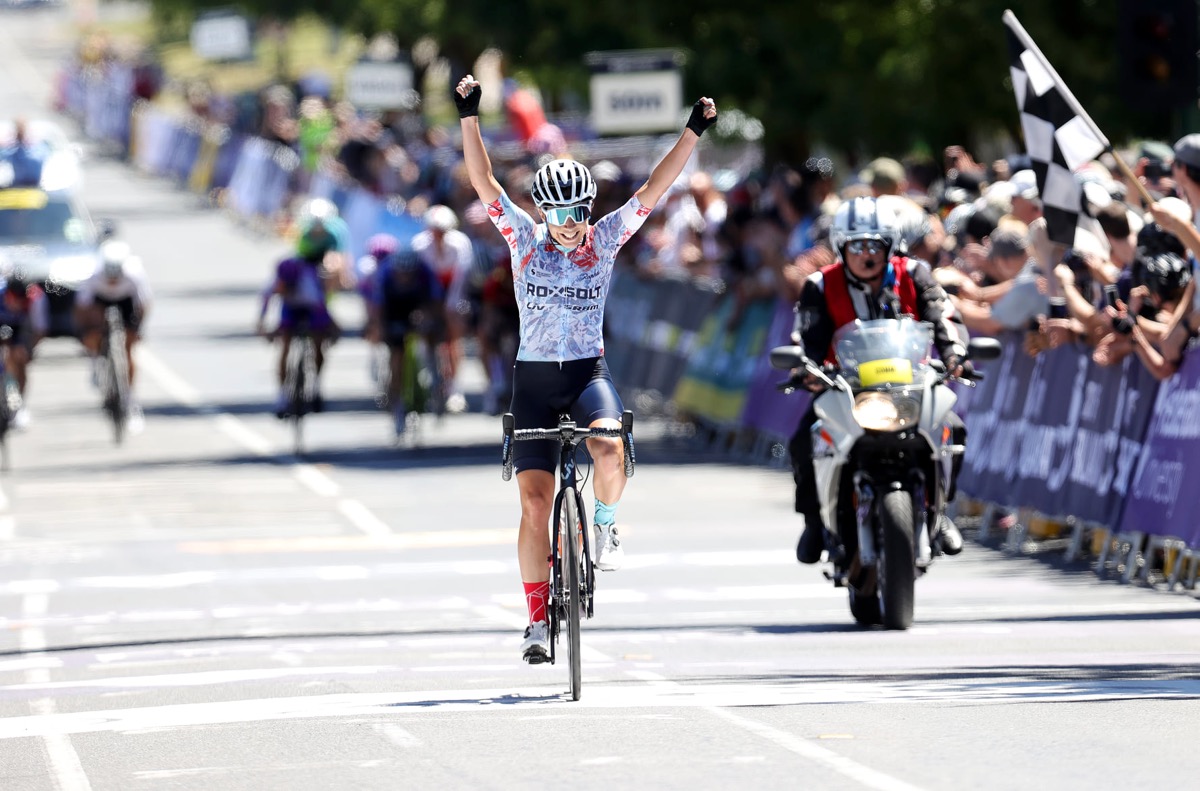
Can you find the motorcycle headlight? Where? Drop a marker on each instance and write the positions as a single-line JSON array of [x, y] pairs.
[[877, 411]]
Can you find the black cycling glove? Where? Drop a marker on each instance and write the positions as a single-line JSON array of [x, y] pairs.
[[696, 121], [468, 105]]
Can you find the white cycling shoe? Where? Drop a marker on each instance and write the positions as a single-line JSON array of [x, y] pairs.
[[536, 648], [609, 552]]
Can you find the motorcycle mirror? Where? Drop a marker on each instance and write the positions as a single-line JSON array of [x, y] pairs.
[[984, 349], [788, 357]]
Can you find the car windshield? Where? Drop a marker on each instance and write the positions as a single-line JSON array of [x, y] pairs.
[[884, 353], [33, 217]]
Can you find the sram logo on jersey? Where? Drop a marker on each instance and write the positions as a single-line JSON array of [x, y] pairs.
[[567, 292]]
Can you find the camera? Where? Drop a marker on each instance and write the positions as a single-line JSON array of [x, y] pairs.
[[1110, 295], [1075, 261]]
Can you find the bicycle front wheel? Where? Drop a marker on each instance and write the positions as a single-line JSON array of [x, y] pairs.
[[572, 601]]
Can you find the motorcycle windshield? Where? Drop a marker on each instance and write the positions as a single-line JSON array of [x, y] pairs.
[[885, 353]]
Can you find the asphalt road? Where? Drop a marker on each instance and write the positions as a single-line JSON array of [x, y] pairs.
[[200, 609]]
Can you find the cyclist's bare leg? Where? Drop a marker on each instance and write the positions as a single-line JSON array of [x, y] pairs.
[[608, 463], [396, 383], [533, 540], [285, 345], [131, 339], [18, 361]]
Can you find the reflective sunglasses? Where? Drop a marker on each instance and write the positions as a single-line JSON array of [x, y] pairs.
[[560, 215], [869, 245]]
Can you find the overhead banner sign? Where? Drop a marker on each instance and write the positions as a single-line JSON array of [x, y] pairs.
[[635, 91], [221, 35], [381, 85]]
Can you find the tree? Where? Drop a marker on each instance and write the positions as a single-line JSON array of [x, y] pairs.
[[857, 76]]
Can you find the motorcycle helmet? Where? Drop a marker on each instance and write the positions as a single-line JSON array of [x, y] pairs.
[[863, 219]]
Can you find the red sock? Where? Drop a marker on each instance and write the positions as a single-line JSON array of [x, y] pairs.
[[536, 594]]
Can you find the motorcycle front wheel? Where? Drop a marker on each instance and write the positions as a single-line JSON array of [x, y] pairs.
[[897, 562]]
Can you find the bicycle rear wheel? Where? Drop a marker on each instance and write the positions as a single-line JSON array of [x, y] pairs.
[[572, 601]]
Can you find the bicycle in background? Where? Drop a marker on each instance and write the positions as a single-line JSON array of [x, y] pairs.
[[572, 573], [113, 372], [300, 383], [10, 399]]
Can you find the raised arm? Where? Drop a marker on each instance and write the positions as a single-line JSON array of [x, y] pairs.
[[479, 165], [704, 115]]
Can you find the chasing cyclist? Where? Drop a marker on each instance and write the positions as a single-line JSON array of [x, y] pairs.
[[406, 298], [562, 267], [26, 314], [301, 283], [120, 281]]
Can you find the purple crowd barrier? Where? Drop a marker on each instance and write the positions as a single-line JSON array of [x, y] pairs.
[[1057, 433], [1161, 501]]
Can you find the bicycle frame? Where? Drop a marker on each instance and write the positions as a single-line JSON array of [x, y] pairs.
[[560, 606]]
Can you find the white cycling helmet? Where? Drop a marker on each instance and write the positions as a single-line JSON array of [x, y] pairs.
[[440, 218], [866, 219], [562, 182], [113, 255], [316, 209]]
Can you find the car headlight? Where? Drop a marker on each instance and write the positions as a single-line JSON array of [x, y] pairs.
[[877, 411]]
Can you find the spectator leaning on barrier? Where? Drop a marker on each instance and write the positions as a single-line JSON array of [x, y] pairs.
[[1026, 203], [1185, 169], [1160, 279]]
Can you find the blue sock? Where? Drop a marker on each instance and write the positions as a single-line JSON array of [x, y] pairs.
[[605, 513]]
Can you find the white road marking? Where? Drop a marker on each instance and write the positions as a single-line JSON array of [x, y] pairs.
[[65, 765], [362, 518], [711, 697], [316, 480], [398, 736], [864, 775]]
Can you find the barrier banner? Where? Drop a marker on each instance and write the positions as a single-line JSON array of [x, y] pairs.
[[768, 409], [650, 329], [626, 314], [723, 361], [1161, 500], [1057, 433]]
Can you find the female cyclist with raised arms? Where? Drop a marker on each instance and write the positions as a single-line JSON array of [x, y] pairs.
[[561, 270]]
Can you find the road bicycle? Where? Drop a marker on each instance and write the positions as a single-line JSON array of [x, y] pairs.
[[113, 372], [300, 383], [10, 398], [572, 574]]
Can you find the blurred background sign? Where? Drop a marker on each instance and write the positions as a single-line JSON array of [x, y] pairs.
[[636, 91], [381, 86], [221, 35]]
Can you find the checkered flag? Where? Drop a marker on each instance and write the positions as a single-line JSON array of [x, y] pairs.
[[1059, 135]]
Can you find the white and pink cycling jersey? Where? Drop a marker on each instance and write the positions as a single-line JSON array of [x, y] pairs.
[[561, 295]]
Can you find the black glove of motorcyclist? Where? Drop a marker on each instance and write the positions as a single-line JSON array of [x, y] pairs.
[[954, 361], [696, 121], [468, 105]]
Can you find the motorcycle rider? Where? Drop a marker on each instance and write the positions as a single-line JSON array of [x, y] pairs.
[[871, 279]]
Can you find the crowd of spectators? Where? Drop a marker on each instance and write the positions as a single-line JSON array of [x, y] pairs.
[[1125, 286]]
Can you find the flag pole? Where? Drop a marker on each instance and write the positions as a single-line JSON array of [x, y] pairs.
[[1014, 25]]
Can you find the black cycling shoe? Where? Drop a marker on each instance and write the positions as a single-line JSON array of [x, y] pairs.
[[950, 540], [810, 546]]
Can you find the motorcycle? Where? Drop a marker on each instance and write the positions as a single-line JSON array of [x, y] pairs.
[[882, 454]]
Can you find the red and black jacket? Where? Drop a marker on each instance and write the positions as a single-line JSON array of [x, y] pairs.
[[827, 303]]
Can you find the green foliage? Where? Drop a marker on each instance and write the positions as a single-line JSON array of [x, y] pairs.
[[856, 76]]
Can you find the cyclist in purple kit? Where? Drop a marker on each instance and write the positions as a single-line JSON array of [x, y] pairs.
[[562, 268]]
